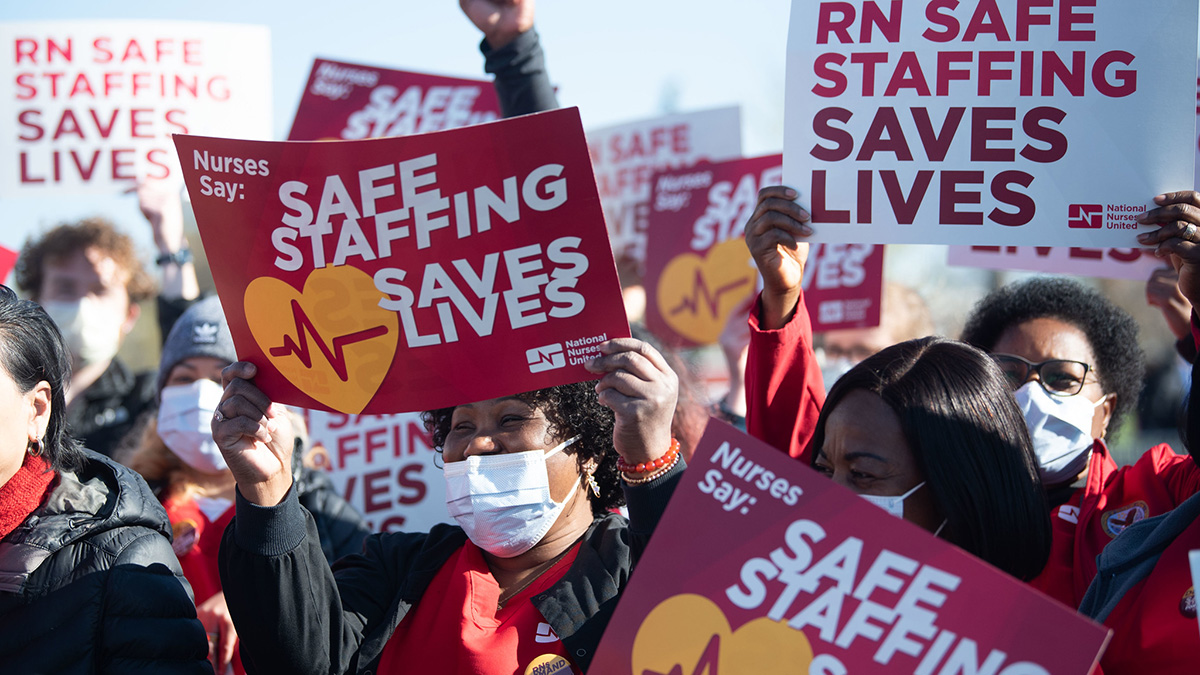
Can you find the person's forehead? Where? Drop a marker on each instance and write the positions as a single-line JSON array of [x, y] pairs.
[[89, 265], [1044, 339], [863, 422]]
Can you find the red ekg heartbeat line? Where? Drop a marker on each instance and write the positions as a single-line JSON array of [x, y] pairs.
[[691, 304], [336, 357]]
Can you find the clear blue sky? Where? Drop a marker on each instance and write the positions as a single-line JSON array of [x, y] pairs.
[[617, 60]]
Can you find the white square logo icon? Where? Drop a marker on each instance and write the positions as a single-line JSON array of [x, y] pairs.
[[545, 358]]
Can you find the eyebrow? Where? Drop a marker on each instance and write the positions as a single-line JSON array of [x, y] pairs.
[[862, 454], [500, 398]]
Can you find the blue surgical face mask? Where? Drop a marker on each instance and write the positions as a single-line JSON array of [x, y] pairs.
[[893, 505]]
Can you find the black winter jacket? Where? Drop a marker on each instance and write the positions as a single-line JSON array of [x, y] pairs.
[[89, 583], [295, 615]]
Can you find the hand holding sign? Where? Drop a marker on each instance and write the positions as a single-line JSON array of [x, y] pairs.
[[500, 20], [1178, 237], [774, 236], [255, 436], [641, 389]]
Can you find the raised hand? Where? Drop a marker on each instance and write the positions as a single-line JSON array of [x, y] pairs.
[[500, 20], [255, 436], [641, 389], [775, 235]]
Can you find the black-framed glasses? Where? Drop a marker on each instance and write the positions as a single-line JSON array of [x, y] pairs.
[[1059, 377]]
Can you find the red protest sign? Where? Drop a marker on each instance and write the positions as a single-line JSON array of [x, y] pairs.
[[349, 101], [403, 274], [698, 270], [8, 260], [761, 565]]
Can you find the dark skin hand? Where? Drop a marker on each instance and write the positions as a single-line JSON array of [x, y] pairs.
[[1174, 240], [776, 236]]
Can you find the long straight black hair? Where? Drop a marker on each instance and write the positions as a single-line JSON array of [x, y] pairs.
[[970, 442]]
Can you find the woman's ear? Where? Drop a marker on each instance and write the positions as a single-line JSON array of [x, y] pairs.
[[1104, 413], [39, 399]]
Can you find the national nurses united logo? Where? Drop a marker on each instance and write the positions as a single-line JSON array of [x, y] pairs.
[[1103, 216], [1085, 216]]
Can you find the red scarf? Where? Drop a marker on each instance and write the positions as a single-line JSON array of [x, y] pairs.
[[23, 492]]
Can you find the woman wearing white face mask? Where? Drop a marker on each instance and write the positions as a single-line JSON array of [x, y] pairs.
[[1074, 361], [527, 577], [178, 454]]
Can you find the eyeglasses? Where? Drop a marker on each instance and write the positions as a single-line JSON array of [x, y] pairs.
[[1058, 377]]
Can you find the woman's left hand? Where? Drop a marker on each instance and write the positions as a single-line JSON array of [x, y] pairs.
[[641, 389], [214, 615], [1178, 237]]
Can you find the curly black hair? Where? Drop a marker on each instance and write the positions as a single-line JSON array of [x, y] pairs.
[[1110, 330], [570, 410]]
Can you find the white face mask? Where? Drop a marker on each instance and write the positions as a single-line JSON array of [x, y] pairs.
[[92, 332], [1061, 429], [185, 424], [893, 505], [503, 501]]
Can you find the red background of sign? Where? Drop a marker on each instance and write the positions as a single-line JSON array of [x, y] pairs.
[[8, 259], [670, 233], [237, 239], [319, 117], [698, 547]]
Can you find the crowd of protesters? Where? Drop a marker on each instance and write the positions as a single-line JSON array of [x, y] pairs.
[[163, 521]]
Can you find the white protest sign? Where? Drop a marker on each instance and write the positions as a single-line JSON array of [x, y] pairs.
[[383, 465], [981, 122], [1194, 563], [624, 157], [1134, 264], [92, 104]]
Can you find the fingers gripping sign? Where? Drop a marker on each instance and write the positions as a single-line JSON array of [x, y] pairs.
[[776, 235], [255, 435], [1178, 237], [641, 389]]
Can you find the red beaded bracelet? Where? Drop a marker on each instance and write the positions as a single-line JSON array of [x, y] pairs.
[[655, 465]]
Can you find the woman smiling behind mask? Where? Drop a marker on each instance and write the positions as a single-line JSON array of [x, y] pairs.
[[528, 577], [925, 429]]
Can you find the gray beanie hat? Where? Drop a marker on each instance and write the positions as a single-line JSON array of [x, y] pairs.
[[201, 331]]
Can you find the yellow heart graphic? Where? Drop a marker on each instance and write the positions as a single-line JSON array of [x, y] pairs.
[[689, 635], [696, 295], [332, 341]]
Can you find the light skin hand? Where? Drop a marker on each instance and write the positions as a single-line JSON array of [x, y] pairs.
[[213, 613], [1162, 291], [501, 21], [162, 205], [255, 437], [776, 236], [1174, 213], [641, 389]]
